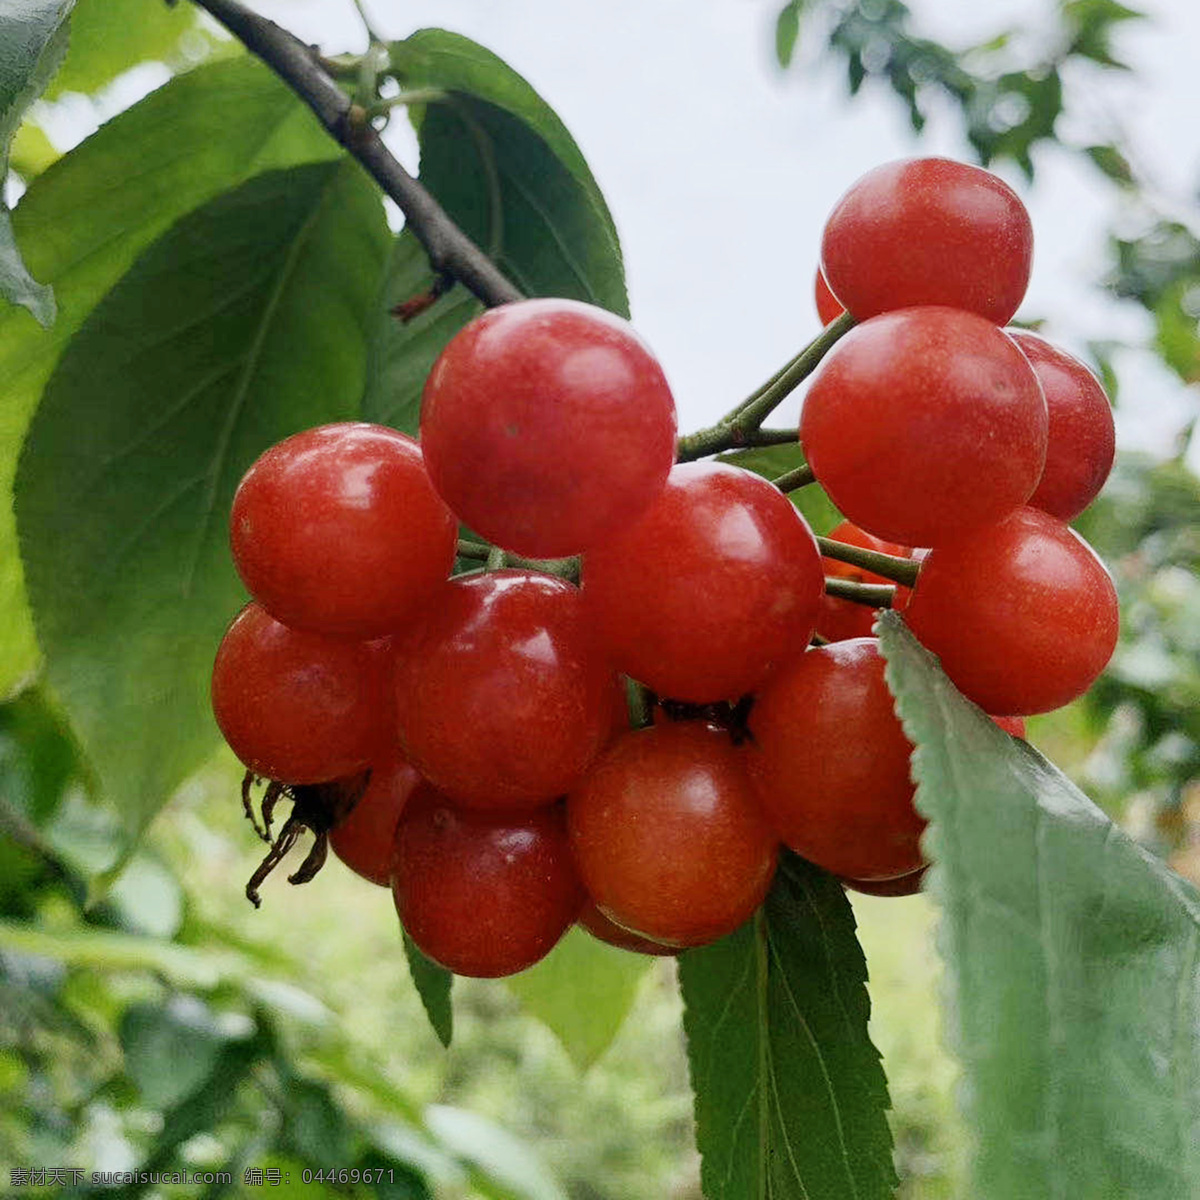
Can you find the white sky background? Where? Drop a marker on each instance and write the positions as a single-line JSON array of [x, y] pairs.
[[720, 168]]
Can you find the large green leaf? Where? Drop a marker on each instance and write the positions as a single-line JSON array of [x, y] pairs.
[[87, 218], [33, 40], [110, 36], [244, 323], [502, 163], [1072, 959], [790, 1093], [583, 991]]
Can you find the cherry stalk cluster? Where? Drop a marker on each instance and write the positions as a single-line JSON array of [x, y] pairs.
[[512, 751]]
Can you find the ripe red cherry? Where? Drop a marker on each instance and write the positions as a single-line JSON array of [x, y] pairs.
[[667, 835], [839, 620], [484, 894], [829, 307], [600, 927], [1081, 442], [547, 425], [718, 580], [295, 706], [503, 697], [924, 423], [339, 530], [365, 840], [829, 763], [1022, 614], [929, 231], [1012, 725]]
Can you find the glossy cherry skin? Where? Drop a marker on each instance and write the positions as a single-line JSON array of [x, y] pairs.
[[1022, 614], [667, 835], [295, 706], [829, 763], [718, 580], [1082, 440], [1012, 725], [483, 894], [902, 885], [829, 307], [925, 423], [503, 696], [365, 839], [601, 928], [547, 425], [929, 231], [339, 530], [839, 620]]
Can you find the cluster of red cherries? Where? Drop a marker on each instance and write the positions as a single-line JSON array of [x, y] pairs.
[[466, 738]]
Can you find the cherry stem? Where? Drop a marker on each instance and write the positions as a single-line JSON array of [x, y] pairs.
[[877, 595], [791, 481], [733, 429], [493, 557], [449, 249], [496, 558], [890, 566]]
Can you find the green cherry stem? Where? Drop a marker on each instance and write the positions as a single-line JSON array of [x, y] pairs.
[[877, 595], [467, 549], [493, 558], [795, 479], [890, 566], [735, 427]]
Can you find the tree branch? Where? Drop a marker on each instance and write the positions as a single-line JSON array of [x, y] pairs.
[[450, 251]]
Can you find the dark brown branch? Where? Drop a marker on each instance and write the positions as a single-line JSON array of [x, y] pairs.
[[450, 251]]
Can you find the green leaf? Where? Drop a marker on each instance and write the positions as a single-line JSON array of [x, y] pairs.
[[433, 984], [110, 36], [401, 355], [87, 218], [787, 31], [170, 1049], [244, 323], [33, 40], [582, 991], [506, 169], [790, 1094], [504, 166], [314, 1127], [1072, 961], [1113, 163]]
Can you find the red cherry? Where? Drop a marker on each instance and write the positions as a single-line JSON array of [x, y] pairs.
[[365, 840], [503, 697], [829, 763], [1082, 441], [929, 231], [547, 426], [600, 927], [839, 620], [1022, 614], [667, 835], [295, 706], [717, 581], [902, 885], [483, 894], [829, 307], [339, 530], [924, 423]]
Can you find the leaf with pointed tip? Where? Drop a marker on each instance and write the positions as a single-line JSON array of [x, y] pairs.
[[582, 991], [787, 31], [790, 1094], [1072, 961], [433, 984], [83, 222], [244, 323]]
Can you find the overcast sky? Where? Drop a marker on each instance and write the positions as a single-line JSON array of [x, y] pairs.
[[720, 168]]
